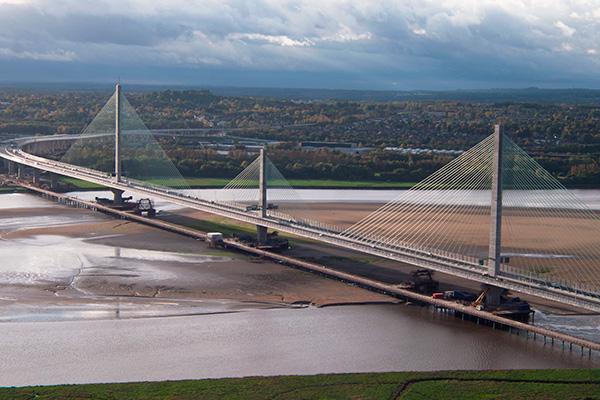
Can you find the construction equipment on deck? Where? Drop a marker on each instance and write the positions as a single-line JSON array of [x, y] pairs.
[[145, 206], [274, 241], [509, 307], [422, 281], [478, 303], [215, 239]]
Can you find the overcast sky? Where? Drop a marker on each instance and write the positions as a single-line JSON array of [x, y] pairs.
[[362, 44]]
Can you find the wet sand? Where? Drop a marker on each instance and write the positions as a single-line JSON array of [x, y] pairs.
[[52, 260]]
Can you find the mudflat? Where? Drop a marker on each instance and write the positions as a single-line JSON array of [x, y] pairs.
[[58, 257]]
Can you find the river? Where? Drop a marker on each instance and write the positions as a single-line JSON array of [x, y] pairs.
[[230, 341], [263, 342]]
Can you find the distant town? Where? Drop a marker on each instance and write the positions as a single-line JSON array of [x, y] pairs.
[[368, 138]]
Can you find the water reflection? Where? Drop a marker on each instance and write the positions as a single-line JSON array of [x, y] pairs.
[[48, 258]]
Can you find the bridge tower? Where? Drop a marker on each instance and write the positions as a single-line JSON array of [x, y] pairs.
[[117, 194], [495, 245], [118, 132], [261, 231]]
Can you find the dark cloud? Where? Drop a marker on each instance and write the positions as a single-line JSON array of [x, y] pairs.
[[337, 43]]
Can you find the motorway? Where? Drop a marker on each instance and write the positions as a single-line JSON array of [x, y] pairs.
[[448, 263]]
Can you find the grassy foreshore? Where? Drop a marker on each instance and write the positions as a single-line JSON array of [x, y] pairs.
[[11, 189], [464, 385]]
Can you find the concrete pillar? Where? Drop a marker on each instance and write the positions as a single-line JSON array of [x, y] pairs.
[[262, 184], [495, 247], [493, 295], [12, 168], [117, 196], [118, 132], [20, 171], [35, 174], [53, 181], [261, 231], [261, 234]]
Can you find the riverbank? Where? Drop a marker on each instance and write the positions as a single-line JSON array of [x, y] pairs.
[[508, 385]]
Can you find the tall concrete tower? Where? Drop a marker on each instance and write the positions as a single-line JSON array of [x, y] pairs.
[[118, 132], [261, 231], [495, 247]]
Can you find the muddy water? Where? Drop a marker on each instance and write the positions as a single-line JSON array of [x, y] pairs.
[[262, 342], [131, 341]]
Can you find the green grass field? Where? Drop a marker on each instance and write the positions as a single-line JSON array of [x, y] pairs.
[[11, 189], [463, 385], [198, 183]]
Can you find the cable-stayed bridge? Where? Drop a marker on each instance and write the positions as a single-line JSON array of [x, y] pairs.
[[492, 215]]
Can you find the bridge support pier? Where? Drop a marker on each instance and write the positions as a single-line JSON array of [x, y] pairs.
[[35, 174], [20, 171], [117, 196], [53, 181], [261, 235], [493, 295]]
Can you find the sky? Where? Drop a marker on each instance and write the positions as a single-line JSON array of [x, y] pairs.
[[338, 44]]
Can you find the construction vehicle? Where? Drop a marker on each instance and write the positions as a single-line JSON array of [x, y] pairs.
[[479, 301], [461, 296], [214, 239], [145, 206], [509, 307], [422, 282], [274, 242], [125, 205]]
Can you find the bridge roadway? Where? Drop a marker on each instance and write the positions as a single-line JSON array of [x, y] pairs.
[[449, 264]]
